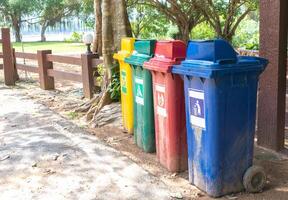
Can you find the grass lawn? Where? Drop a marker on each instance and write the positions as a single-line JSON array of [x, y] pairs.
[[56, 47]]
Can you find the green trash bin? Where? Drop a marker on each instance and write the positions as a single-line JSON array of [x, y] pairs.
[[144, 131]]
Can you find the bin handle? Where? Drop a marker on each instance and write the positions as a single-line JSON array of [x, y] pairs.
[[261, 60], [226, 61], [179, 59]]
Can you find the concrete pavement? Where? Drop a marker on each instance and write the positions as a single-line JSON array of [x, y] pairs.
[[44, 156]]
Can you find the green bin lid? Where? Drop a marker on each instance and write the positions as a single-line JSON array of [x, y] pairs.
[[143, 51], [145, 47]]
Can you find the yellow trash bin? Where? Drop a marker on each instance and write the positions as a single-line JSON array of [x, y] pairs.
[[127, 46]]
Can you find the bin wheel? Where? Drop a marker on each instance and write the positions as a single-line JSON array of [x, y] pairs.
[[254, 179]]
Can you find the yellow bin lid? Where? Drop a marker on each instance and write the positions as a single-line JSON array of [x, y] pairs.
[[127, 47]]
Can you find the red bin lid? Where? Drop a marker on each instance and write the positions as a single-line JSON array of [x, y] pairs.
[[170, 49], [167, 53]]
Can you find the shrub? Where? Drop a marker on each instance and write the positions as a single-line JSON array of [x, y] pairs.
[[114, 87], [75, 37], [247, 35], [202, 31]]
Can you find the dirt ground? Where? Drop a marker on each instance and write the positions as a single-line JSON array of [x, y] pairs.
[[68, 96]]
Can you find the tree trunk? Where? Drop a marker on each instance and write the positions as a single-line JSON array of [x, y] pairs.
[[107, 52], [97, 43], [128, 28], [107, 38], [16, 23], [225, 36], [121, 25], [228, 37], [44, 26], [184, 30], [110, 27]]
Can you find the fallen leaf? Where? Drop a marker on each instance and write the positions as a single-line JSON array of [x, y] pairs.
[[231, 197], [56, 157], [176, 195], [49, 171], [5, 157]]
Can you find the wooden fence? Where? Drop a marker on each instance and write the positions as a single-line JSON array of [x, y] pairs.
[[45, 60], [7, 56]]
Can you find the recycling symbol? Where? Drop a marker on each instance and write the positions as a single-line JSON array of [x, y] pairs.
[[161, 100], [124, 81], [139, 92]]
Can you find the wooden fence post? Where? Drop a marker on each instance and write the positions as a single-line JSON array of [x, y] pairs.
[[8, 65], [272, 86], [87, 74], [46, 82]]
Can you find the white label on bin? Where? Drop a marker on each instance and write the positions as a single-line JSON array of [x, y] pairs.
[[197, 108], [139, 97], [161, 104]]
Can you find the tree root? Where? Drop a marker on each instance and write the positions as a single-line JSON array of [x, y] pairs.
[[83, 108], [104, 100], [93, 106]]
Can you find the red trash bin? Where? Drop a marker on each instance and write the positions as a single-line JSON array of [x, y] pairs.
[[169, 105]]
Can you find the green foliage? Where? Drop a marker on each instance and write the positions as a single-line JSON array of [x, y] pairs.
[[99, 74], [247, 35], [203, 31], [72, 115], [172, 32], [75, 37], [87, 13], [115, 88], [52, 11], [87, 6], [17, 7], [182, 13], [147, 22], [221, 8], [225, 16]]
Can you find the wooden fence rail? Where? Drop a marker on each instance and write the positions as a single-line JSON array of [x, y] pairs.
[[45, 60]]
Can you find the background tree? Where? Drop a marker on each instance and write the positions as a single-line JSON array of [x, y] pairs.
[[182, 13], [203, 31], [114, 25], [97, 43], [147, 22], [86, 13], [53, 11], [107, 52], [15, 12], [120, 23], [224, 16]]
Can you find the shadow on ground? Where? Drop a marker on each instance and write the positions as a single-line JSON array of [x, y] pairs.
[[43, 155], [46, 156]]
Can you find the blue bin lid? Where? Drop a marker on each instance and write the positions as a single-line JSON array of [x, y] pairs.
[[212, 58]]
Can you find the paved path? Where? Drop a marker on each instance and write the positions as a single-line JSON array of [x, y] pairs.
[[43, 156]]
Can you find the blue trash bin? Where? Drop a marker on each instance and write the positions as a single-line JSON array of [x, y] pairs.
[[220, 98]]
